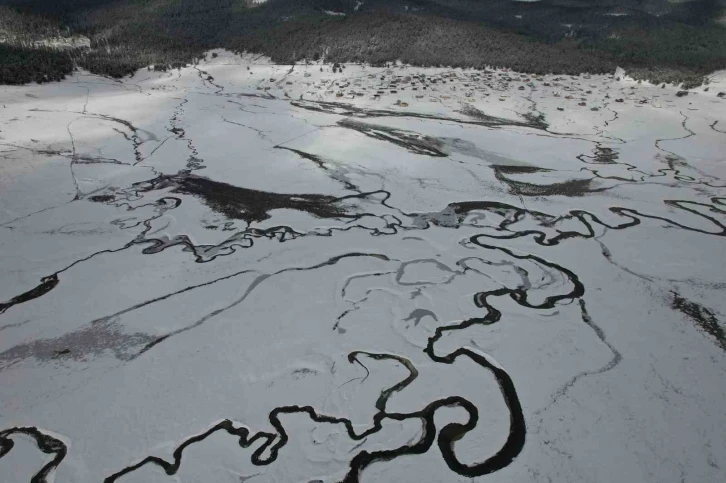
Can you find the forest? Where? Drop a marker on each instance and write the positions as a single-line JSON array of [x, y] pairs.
[[44, 40]]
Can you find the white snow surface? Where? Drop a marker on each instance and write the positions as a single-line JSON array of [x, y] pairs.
[[329, 267]]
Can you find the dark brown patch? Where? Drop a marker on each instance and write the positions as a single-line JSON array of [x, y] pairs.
[[704, 318]]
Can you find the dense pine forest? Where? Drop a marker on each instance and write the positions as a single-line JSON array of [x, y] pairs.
[[661, 40]]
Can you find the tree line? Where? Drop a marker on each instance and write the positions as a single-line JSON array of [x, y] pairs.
[[131, 34]]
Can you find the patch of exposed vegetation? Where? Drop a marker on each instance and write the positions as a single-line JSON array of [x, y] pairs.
[[704, 318]]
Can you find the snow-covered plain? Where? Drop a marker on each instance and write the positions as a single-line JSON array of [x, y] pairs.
[[247, 272]]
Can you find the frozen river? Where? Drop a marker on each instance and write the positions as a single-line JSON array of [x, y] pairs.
[[246, 272]]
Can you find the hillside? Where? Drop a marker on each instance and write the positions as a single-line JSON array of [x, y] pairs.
[[663, 40]]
